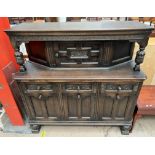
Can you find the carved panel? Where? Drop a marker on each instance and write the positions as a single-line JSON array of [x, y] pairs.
[[50, 53], [117, 99], [81, 101], [106, 56], [77, 53]]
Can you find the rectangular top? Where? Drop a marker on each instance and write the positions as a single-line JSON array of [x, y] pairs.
[[80, 26], [38, 72]]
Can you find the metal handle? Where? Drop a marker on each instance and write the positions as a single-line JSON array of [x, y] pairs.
[[57, 55], [119, 88], [117, 97], [79, 96], [40, 97]]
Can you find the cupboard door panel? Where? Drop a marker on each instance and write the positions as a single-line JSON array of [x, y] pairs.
[[117, 100], [78, 106], [52, 106], [121, 108], [42, 100], [86, 106], [37, 107], [106, 107], [72, 105], [80, 100]]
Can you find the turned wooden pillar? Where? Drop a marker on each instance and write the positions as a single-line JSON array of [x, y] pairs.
[[140, 53], [19, 57]]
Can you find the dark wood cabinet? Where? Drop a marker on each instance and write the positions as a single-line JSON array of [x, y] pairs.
[[80, 101], [80, 73]]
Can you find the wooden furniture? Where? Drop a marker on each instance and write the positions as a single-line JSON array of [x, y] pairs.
[[146, 101], [80, 73]]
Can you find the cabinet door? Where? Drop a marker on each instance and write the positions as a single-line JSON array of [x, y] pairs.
[[80, 101], [117, 101], [77, 54], [42, 100]]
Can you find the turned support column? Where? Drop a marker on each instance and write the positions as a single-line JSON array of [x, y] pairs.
[[19, 57], [140, 54]]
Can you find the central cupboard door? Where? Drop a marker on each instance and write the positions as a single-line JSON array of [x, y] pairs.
[[79, 102]]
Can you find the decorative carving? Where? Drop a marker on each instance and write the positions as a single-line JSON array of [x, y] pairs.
[[50, 53], [19, 57], [79, 88], [62, 105], [77, 55], [40, 87], [126, 87], [81, 36], [111, 87], [135, 87], [118, 87], [107, 53], [140, 53]]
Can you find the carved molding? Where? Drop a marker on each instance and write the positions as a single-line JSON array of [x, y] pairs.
[[37, 37]]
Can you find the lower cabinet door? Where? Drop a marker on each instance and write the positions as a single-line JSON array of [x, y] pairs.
[[80, 102], [118, 101], [113, 108], [44, 106], [41, 101], [80, 106]]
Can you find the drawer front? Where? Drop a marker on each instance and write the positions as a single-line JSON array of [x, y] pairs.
[[40, 86], [40, 90], [79, 88], [119, 88]]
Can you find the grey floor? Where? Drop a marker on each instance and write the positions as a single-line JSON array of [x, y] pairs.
[[143, 127]]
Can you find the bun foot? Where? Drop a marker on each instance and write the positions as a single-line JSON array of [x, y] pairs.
[[125, 130], [35, 128]]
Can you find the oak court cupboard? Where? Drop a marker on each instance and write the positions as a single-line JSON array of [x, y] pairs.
[[80, 73]]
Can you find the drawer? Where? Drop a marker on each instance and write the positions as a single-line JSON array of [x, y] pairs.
[[40, 86], [79, 88], [38, 90], [119, 88]]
